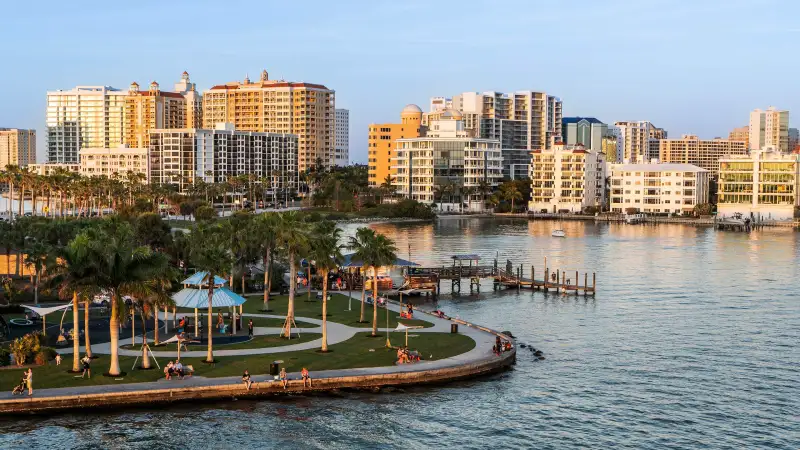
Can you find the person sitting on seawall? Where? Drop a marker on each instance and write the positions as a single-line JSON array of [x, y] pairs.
[[284, 378], [178, 368], [246, 379], [169, 370], [306, 377]]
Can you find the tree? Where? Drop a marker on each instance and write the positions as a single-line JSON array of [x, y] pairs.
[[359, 244], [37, 256], [293, 235], [210, 252], [152, 231], [205, 213], [510, 192], [326, 253], [121, 267], [265, 228], [703, 209], [381, 252]]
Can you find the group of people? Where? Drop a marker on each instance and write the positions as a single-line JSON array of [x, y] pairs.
[[25, 382], [283, 376], [501, 345], [408, 313], [405, 356], [175, 369]]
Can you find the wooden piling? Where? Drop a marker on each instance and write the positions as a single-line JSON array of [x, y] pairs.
[[594, 283], [585, 282], [577, 284]]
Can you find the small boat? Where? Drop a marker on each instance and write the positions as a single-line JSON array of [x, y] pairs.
[[559, 233]]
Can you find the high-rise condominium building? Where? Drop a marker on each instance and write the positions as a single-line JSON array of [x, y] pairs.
[[705, 153], [84, 117], [181, 157], [586, 131], [342, 137], [763, 185], [277, 106], [566, 178], [658, 188], [149, 110], [17, 147], [638, 141], [740, 134], [111, 162], [194, 101], [447, 165], [382, 139], [769, 128]]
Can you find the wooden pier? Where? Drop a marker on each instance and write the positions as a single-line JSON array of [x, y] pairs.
[[560, 281]]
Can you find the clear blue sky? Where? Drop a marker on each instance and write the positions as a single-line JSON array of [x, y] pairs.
[[690, 66]]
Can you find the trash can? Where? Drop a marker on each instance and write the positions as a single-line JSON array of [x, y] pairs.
[[274, 368], [454, 328]]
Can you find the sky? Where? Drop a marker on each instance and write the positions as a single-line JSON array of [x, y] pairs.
[[690, 66]]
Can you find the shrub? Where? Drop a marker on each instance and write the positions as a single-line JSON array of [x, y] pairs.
[[45, 355], [24, 348], [5, 357], [205, 213]]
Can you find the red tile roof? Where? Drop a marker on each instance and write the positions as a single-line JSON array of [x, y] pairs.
[[162, 93], [269, 85]]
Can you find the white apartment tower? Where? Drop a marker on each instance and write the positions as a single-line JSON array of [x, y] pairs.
[[638, 141], [769, 128], [342, 130], [86, 116], [567, 178]]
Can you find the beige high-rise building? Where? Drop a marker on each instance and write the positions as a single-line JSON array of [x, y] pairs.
[[149, 110], [114, 161], [277, 106], [638, 141], [194, 101], [17, 147], [705, 153], [769, 128], [740, 134], [84, 117]]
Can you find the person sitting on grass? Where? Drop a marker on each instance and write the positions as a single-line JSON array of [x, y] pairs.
[[306, 377], [87, 369], [284, 378], [246, 379]]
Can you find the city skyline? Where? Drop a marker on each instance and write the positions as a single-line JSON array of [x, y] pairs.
[[658, 62]]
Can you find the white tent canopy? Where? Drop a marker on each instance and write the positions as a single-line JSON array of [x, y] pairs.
[[45, 311]]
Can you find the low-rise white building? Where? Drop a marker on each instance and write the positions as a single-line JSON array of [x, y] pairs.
[[114, 161], [762, 185], [566, 178], [658, 188]]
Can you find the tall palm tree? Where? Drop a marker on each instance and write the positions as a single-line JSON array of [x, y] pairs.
[[210, 252], [293, 235], [12, 177], [265, 230], [359, 244], [381, 252], [120, 267], [510, 192], [327, 255], [38, 255]]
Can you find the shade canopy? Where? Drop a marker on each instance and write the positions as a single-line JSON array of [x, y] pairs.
[[201, 279], [402, 327], [45, 311], [198, 298], [350, 261]]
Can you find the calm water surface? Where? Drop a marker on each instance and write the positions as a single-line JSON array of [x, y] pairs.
[[691, 342]]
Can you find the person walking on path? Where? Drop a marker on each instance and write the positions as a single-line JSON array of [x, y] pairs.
[[29, 381], [250, 328], [87, 370]]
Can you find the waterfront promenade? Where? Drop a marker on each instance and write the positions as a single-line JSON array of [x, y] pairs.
[[477, 361]]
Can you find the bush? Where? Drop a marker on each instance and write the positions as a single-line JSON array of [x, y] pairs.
[[591, 210], [5, 357], [45, 355], [205, 213], [24, 348]]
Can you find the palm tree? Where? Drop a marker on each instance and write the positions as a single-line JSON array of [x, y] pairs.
[[293, 235], [326, 254], [359, 244], [120, 267], [509, 191], [265, 227], [381, 252], [210, 252], [12, 177], [38, 255]]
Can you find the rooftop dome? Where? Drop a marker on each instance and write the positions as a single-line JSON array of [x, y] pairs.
[[454, 114], [411, 109]]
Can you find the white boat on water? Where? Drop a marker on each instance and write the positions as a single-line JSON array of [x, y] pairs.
[[559, 233], [633, 219]]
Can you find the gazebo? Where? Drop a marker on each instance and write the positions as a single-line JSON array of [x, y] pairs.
[[195, 296]]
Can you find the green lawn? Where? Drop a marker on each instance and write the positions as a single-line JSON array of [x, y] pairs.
[[349, 354], [337, 311], [272, 340], [275, 323]]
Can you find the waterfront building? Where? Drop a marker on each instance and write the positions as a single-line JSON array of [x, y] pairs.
[[194, 101], [182, 156], [567, 178], [769, 129], [17, 147], [741, 134], [342, 145], [112, 162], [705, 153], [638, 141], [149, 110], [447, 164], [51, 168], [382, 141], [84, 117], [761, 185], [654, 188], [277, 106]]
